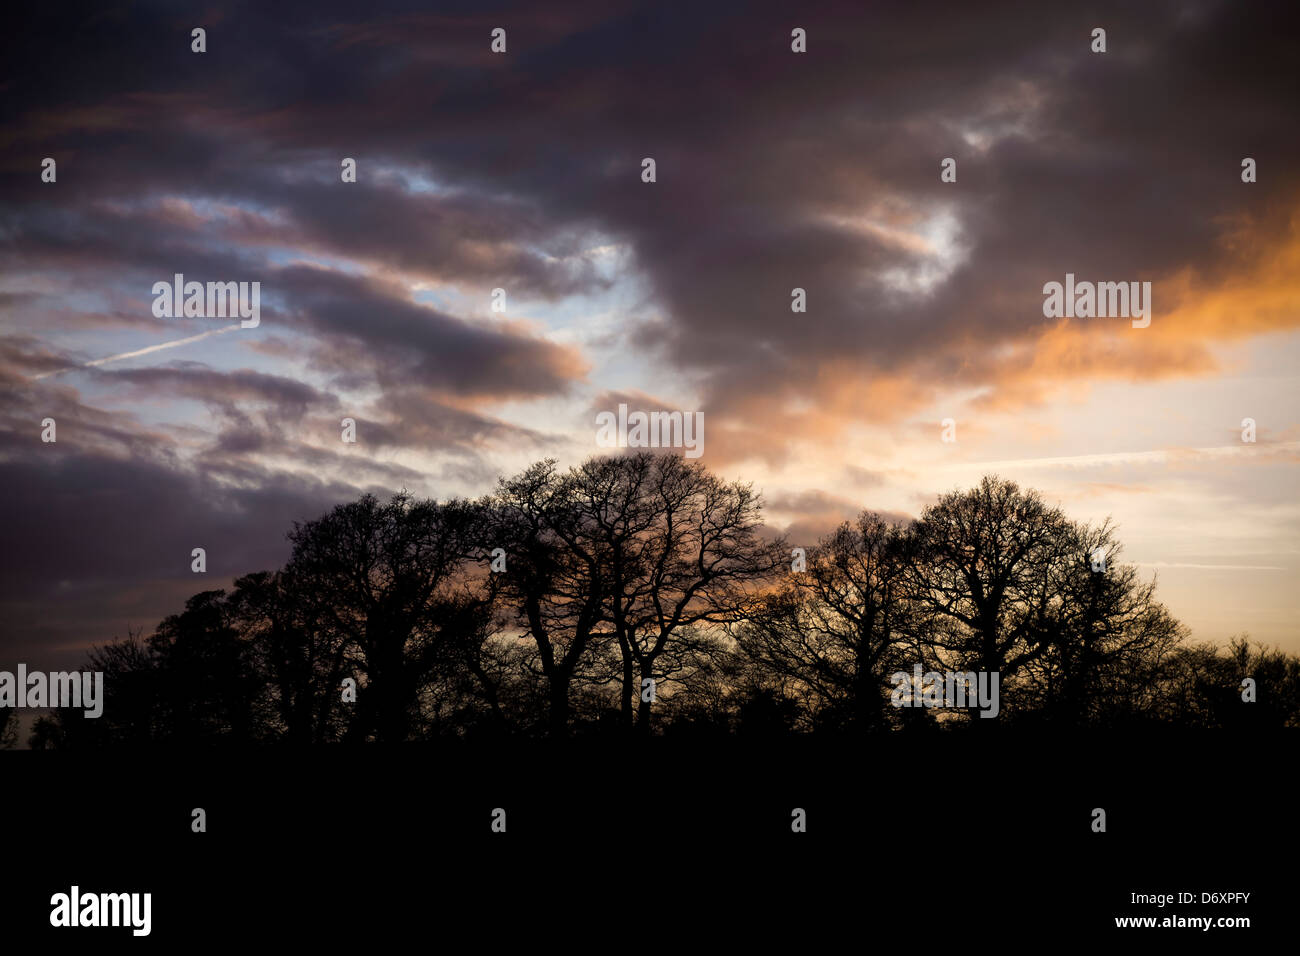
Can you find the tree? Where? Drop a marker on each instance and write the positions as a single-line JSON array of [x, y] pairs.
[[1107, 638], [380, 579], [681, 549], [8, 728], [190, 682], [1203, 687], [200, 676], [984, 564], [555, 583], [547, 604], [301, 665], [843, 626], [132, 707]]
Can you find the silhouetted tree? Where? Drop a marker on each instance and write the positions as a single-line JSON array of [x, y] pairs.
[[983, 567], [191, 682], [301, 665], [1106, 637], [841, 627], [1204, 685], [8, 728], [555, 583], [204, 680], [133, 703], [47, 734], [380, 578], [643, 567], [680, 548]]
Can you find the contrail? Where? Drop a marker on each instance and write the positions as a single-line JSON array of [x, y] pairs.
[[138, 352], [1125, 457], [1208, 567]]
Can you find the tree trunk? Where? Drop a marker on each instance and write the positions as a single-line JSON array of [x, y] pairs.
[[643, 706], [629, 685], [559, 704]]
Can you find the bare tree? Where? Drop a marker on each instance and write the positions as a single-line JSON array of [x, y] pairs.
[[8, 728], [983, 566], [640, 568], [1204, 686], [381, 577], [842, 626], [1106, 635], [555, 583], [682, 550], [302, 665]]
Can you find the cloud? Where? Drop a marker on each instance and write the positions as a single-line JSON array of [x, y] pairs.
[[144, 351], [815, 514], [1286, 450], [775, 171], [97, 544]]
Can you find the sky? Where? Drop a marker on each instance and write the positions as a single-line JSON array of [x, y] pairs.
[[522, 171]]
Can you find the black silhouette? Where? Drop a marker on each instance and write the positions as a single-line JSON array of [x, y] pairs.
[[640, 594]]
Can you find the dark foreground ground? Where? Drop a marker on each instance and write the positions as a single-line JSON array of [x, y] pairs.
[[945, 843]]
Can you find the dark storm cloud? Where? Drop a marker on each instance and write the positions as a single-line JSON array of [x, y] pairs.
[[418, 419], [775, 170], [96, 544], [1093, 164], [25, 404], [377, 318], [290, 398], [410, 342]]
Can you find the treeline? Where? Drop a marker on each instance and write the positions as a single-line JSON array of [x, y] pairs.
[[642, 594]]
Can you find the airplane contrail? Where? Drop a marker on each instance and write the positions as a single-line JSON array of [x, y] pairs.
[[1125, 457], [1208, 567], [138, 352]]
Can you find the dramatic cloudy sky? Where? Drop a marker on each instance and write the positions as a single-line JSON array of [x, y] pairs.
[[523, 171]]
